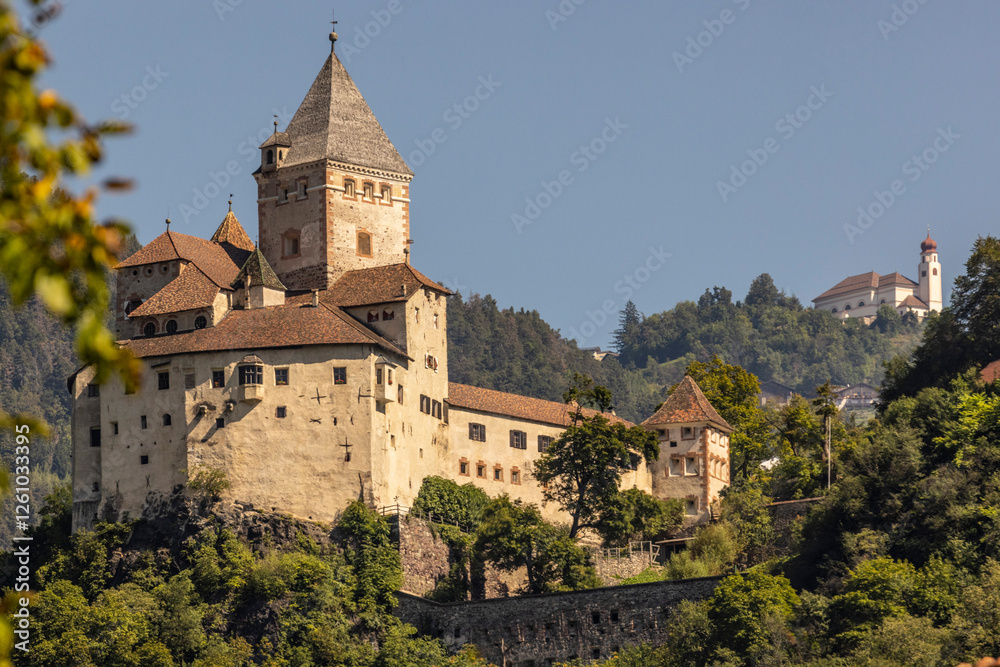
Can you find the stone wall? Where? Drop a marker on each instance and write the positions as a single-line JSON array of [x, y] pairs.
[[427, 560], [785, 517], [612, 569], [539, 630]]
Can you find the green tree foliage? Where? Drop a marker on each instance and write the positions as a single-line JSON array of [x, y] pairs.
[[627, 333], [377, 570], [732, 391], [36, 215], [582, 468], [514, 535], [633, 514], [763, 292], [740, 607], [448, 502]]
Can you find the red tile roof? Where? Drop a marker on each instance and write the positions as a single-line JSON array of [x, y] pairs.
[[895, 278], [913, 302], [206, 255], [688, 405], [232, 232], [380, 284], [191, 290], [513, 405], [852, 284], [262, 328], [991, 372]]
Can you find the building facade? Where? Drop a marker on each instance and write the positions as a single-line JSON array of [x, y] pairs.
[[862, 295], [313, 369]]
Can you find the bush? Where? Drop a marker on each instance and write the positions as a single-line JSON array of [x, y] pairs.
[[450, 503]]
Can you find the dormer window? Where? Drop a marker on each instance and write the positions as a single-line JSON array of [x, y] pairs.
[[270, 156]]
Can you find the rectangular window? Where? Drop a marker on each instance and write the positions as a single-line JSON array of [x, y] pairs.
[[481, 471], [114, 428], [687, 433], [163, 380], [425, 404], [142, 421], [692, 466], [340, 375], [144, 460], [436, 409], [477, 432], [399, 394], [251, 375], [673, 443], [518, 439], [633, 461], [220, 422], [189, 381], [95, 437], [93, 391], [676, 467], [280, 412], [218, 379], [515, 476], [463, 468], [378, 376], [369, 189], [386, 194], [348, 188], [280, 376], [498, 474], [544, 442], [302, 188]]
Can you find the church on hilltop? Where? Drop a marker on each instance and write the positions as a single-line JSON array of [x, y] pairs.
[[861, 296], [312, 368]]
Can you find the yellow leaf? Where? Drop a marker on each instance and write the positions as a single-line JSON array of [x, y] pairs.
[[55, 292]]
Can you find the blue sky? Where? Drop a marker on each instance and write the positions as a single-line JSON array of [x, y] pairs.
[[598, 164]]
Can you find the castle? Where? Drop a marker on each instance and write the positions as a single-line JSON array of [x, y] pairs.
[[861, 296], [312, 367]]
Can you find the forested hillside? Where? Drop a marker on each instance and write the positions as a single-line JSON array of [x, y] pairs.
[[768, 333]]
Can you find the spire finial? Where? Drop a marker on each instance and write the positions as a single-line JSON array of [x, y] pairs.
[[168, 224], [333, 35], [230, 202], [275, 125]]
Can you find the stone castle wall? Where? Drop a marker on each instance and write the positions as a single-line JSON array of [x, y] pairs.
[[544, 629]]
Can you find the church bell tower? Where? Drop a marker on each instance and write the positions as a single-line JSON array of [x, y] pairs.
[[930, 274]]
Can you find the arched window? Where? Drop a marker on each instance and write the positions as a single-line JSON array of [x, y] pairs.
[[172, 326], [881, 302], [149, 329], [132, 305], [373, 316], [834, 310], [847, 307], [861, 304], [364, 244], [934, 272], [166, 420], [200, 322], [270, 156]]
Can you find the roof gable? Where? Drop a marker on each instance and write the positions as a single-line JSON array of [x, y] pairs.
[[687, 405], [335, 122], [191, 290], [380, 284], [863, 281], [206, 255], [259, 272]]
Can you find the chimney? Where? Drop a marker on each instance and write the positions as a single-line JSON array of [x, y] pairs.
[[403, 288], [315, 298]]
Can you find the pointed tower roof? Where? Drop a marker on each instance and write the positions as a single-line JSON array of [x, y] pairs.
[[687, 405], [232, 232], [335, 122], [259, 272]]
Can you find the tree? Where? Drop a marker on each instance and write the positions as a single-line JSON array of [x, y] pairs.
[[370, 551], [634, 514], [732, 391], [826, 405], [49, 244], [741, 605], [627, 333], [446, 501], [514, 535], [975, 300], [762, 291], [582, 469]]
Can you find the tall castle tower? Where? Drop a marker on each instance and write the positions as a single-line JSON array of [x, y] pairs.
[[333, 193], [930, 274]]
